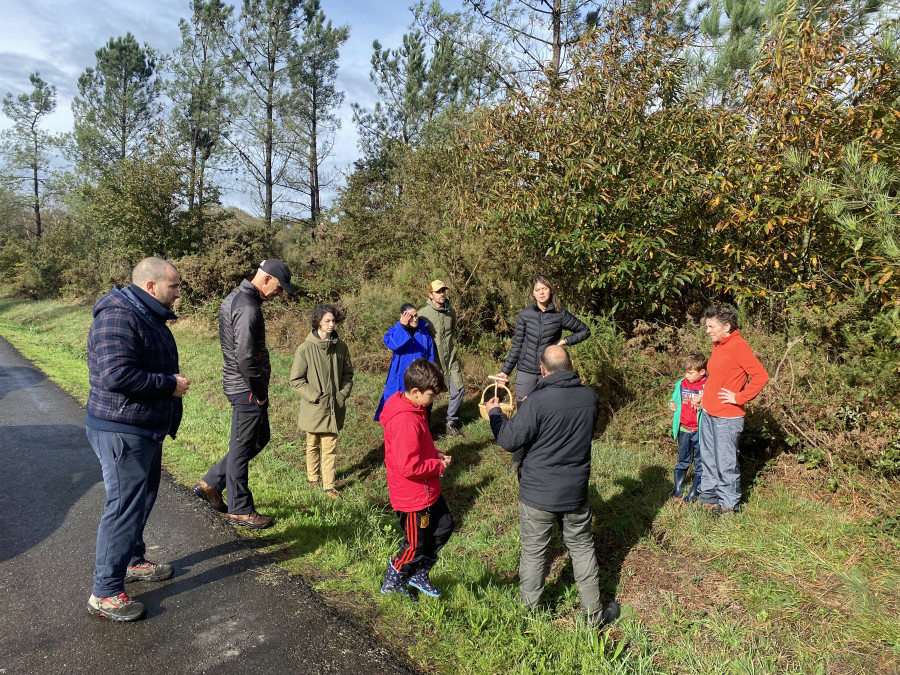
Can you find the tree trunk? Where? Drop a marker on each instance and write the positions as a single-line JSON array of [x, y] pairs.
[[556, 17], [37, 204], [314, 206], [269, 141]]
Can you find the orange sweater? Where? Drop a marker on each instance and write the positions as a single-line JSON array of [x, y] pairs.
[[731, 363]]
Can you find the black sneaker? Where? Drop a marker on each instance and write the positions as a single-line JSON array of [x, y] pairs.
[[117, 608], [148, 571], [606, 616], [452, 430]]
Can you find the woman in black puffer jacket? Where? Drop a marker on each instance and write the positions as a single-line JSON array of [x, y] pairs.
[[539, 326]]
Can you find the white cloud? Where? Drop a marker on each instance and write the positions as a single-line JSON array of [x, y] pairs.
[[59, 39]]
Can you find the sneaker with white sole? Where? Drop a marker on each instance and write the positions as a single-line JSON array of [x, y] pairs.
[[148, 571], [117, 608]]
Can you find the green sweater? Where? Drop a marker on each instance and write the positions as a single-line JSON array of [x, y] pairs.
[[442, 326]]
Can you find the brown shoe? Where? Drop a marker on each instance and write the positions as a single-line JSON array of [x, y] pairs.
[[210, 496], [252, 520], [331, 493]]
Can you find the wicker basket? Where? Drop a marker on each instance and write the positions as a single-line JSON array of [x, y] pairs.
[[508, 407]]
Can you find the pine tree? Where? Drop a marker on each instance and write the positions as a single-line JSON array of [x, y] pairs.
[[200, 97], [314, 79], [116, 104], [27, 146], [262, 48]]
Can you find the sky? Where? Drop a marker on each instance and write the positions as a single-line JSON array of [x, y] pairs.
[[58, 38]]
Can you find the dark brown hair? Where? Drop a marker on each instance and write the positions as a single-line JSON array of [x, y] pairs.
[[424, 375], [694, 361], [319, 313]]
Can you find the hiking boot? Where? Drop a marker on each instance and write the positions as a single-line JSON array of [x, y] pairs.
[[395, 582], [313, 484], [451, 430], [210, 496], [421, 581], [713, 509], [609, 614], [117, 608], [331, 493], [252, 520], [149, 571]]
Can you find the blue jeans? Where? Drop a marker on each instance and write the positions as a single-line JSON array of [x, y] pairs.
[[721, 483], [688, 453], [131, 471]]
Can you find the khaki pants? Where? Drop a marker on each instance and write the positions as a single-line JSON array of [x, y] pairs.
[[535, 527], [328, 445]]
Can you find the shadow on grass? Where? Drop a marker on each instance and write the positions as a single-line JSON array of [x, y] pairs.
[[368, 464], [624, 519], [462, 497], [762, 442]]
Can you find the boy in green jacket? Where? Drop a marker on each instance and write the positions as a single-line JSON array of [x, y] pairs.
[[686, 423]]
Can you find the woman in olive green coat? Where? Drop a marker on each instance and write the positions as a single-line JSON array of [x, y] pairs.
[[322, 375]]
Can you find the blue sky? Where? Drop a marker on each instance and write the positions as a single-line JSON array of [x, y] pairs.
[[59, 38]]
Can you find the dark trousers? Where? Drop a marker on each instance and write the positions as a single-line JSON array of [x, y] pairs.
[[131, 470], [688, 453], [249, 435], [424, 534]]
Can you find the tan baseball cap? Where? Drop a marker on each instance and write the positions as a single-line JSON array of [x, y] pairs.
[[436, 285]]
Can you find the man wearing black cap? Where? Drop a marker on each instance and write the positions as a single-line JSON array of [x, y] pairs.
[[245, 374]]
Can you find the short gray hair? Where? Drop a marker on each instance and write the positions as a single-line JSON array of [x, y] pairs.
[[151, 269], [555, 358], [723, 314]]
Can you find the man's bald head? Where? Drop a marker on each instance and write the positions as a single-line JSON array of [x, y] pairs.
[[159, 278], [151, 269], [555, 359]]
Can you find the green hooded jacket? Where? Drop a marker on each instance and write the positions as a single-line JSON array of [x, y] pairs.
[[676, 416], [322, 375], [442, 326]]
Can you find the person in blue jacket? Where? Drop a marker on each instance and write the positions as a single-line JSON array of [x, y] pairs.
[[409, 339]]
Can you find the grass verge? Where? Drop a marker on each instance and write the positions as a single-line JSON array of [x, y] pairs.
[[798, 583]]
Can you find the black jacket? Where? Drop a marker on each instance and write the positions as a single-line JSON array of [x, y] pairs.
[[537, 330], [242, 334], [555, 426]]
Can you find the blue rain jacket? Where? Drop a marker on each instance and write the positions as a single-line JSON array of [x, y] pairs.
[[407, 347]]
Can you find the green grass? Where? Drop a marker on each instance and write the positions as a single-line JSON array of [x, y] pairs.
[[792, 585]]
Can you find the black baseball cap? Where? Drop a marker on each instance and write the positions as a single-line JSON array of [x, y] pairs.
[[280, 271]]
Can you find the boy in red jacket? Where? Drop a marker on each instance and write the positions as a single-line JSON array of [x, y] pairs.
[[414, 471]]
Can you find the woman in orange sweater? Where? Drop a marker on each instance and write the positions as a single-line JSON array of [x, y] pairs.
[[735, 377]]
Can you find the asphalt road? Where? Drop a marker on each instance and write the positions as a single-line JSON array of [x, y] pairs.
[[227, 610]]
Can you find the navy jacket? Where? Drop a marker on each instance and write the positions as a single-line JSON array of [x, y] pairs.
[[132, 359], [555, 426], [242, 335], [537, 330]]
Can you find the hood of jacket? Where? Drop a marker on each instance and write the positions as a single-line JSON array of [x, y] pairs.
[[322, 344], [137, 300], [398, 404]]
